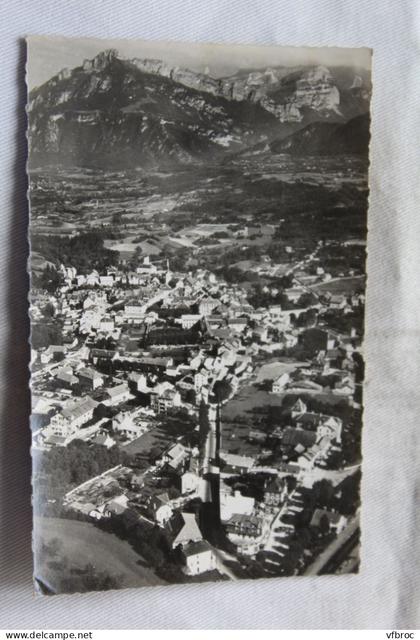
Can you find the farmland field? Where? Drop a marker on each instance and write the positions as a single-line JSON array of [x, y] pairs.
[[247, 399], [251, 397], [340, 285]]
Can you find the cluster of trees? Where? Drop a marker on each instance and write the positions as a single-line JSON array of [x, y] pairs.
[[299, 202], [348, 494], [268, 416], [236, 275], [250, 484], [307, 319], [221, 234], [46, 333], [343, 498], [222, 389], [177, 422], [60, 468], [341, 409], [48, 311], [259, 297], [172, 336], [277, 249], [352, 440], [103, 342], [337, 258], [343, 323], [352, 425], [204, 242], [117, 218], [49, 279]]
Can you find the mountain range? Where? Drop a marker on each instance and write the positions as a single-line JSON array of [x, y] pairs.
[[327, 138], [143, 112]]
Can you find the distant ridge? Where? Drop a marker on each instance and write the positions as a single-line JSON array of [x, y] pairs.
[[143, 112], [322, 138]]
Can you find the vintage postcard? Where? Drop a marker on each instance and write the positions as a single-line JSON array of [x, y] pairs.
[[198, 243]]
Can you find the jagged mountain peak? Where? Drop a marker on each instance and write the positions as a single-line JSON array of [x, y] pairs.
[[101, 60], [111, 109]]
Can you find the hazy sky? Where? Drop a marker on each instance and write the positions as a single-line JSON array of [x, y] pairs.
[[48, 55]]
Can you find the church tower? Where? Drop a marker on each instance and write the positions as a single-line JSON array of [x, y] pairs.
[[168, 276]]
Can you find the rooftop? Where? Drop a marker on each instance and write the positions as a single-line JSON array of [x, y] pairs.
[[77, 408], [195, 548]]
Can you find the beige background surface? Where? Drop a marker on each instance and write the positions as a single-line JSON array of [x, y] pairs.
[[386, 592]]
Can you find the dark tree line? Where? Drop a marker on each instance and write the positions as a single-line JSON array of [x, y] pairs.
[[84, 251], [60, 468], [49, 279], [46, 333]]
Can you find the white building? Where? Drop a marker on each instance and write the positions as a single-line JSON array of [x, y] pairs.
[[199, 558], [140, 382], [189, 482], [175, 456], [235, 504], [207, 305], [106, 281], [200, 380], [188, 320], [275, 312], [237, 461], [90, 378], [161, 508], [330, 428], [107, 325], [65, 425], [134, 312], [90, 319], [161, 402], [118, 394]]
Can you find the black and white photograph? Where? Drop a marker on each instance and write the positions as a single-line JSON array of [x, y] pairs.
[[198, 233]]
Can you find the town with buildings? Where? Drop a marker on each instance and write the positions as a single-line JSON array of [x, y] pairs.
[[238, 424], [198, 249]]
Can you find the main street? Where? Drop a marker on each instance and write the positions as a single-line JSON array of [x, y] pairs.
[[272, 537], [209, 456]]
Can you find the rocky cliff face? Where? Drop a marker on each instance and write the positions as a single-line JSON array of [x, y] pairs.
[[113, 111], [288, 95]]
